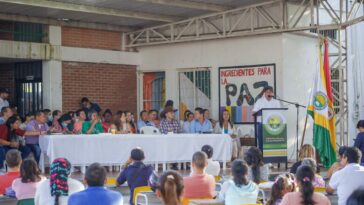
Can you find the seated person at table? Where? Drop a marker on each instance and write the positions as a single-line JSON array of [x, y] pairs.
[[57, 189], [337, 165], [225, 126], [93, 126], [6, 113], [154, 117], [107, 120], [318, 181], [257, 172], [89, 107], [306, 151], [283, 184], [30, 176], [170, 188], [213, 167], [349, 178], [199, 184], [306, 195], [169, 123], [28, 117], [80, 118], [136, 173], [130, 120], [39, 126], [144, 120], [239, 190], [64, 122], [56, 126], [13, 161], [186, 123], [96, 193], [121, 125], [49, 117], [200, 124], [206, 113]]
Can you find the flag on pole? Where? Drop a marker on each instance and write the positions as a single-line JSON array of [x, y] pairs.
[[321, 109]]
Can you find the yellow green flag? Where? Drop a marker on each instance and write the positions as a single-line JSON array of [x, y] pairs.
[[321, 109]]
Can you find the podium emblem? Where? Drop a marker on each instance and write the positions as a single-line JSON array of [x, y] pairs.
[[275, 124]]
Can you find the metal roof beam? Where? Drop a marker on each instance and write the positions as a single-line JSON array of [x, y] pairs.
[[189, 5], [92, 10]]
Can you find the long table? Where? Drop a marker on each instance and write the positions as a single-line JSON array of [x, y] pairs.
[[107, 149]]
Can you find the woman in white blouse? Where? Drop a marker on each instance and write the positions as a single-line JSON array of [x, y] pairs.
[[225, 126], [57, 189]]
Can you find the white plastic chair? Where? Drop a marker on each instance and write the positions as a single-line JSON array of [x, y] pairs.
[[149, 130]]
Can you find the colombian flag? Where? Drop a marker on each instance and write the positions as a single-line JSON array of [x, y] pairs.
[[321, 109]]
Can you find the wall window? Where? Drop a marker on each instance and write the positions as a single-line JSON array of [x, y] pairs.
[[194, 90], [154, 94]]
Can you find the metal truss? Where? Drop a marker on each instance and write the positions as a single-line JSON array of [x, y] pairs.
[[276, 16]]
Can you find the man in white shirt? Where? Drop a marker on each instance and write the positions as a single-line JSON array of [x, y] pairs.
[[349, 178], [266, 101], [4, 94]]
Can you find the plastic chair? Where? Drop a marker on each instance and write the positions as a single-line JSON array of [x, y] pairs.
[[149, 130], [186, 201], [139, 190], [320, 189], [26, 202], [217, 178]]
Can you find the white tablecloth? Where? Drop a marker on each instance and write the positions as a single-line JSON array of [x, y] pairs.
[[115, 149]]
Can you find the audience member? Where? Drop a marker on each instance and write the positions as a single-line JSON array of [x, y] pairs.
[[93, 126], [169, 123], [186, 122], [13, 161], [213, 167], [154, 117], [89, 107], [318, 180], [30, 176], [356, 198], [306, 196], [56, 126], [144, 121], [349, 178], [359, 141], [170, 188], [6, 113], [107, 120], [306, 151], [4, 95], [225, 126], [200, 124], [96, 193], [130, 120], [199, 184], [282, 185], [39, 124], [121, 125], [136, 173], [55, 191], [337, 165], [239, 190], [28, 117], [81, 117], [257, 172]]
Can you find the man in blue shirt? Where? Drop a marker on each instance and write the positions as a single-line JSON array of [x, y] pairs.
[[96, 193], [89, 107], [200, 124], [143, 120], [136, 173]]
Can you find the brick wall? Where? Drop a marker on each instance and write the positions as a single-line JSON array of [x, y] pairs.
[[7, 79], [111, 86], [91, 38]]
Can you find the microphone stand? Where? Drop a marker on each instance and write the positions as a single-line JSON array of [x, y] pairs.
[[297, 105]]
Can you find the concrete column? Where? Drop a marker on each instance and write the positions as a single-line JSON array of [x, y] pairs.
[[52, 74]]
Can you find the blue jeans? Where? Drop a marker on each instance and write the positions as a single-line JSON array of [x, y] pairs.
[[3, 151], [35, 149], [25, 151]]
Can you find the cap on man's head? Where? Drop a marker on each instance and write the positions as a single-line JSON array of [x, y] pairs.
[[169, 103], [137, 154], [4, 90], [268, 88]]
